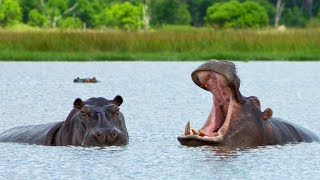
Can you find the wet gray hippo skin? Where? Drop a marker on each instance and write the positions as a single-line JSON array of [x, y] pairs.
[[235, 120], [94, 122]]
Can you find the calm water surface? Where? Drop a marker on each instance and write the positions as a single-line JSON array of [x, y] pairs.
[[159, 98]]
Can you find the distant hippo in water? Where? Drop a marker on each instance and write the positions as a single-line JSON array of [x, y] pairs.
[[235, 120], [94, 122]]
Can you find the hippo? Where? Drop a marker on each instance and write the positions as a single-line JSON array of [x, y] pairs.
[[235, 120], [94, 122], [85, 80]]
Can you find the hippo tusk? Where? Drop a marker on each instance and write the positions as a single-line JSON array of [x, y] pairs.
[[187, 129]]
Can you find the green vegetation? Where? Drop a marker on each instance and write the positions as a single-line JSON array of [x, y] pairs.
[[193, 44], [234, 14], [159, 29], [122, 16], [126, 14]]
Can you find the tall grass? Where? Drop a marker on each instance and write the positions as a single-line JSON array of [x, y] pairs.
[[191, 44]]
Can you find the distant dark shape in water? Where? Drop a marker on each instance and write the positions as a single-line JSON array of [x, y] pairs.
[[85, 80], [236, 120], [94, 122]]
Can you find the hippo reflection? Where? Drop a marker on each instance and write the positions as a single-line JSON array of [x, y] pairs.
[[235, 120], [94, 122]]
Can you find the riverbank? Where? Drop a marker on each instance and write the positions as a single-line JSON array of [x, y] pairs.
[[184, 45]]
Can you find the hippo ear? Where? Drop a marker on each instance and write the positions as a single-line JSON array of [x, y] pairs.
[[267, 114], [118, 100], [78, 103]]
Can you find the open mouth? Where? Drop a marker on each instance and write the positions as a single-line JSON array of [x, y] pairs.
[[212, 130], [222, 94]]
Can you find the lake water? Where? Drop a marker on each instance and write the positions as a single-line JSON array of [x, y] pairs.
[[159, 99]]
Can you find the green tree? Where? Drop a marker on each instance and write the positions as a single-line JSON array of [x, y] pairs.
[[182, 15], [10, 12], [88, 11], [294, 17], [123, 15], [237, 15], [169, 12], [55, 10], [255, 15], [70, 23], [35, 18], [27, 6], [269, 7]]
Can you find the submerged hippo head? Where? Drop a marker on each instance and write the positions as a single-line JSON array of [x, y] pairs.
[[95, 122], [234, 120]]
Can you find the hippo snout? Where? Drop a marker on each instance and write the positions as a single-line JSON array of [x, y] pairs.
[[106, 136]]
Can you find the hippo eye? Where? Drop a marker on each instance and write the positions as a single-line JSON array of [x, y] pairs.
[[257, 102], [117, 113], [84, 115]]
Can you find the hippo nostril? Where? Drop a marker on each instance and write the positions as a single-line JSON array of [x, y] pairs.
[[98, 134], [114, 133]]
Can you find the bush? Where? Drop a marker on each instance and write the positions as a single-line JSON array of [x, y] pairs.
[[70, 23], [123, 15], [169, 12], [35, 18], [269, 7], [237, 15], [10, 12]]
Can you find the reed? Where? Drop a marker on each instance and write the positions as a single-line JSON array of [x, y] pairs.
[[162, 44]]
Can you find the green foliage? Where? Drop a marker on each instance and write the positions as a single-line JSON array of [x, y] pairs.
[[35, 18], [123, 15], [269, 7], [182, 15], [56, 7], [198, 10], [294, 17], [27, 6], [169, 12], [237, 15], [70, 23], [255, 15], [296, 13], [10, 12], [88, 11], [314, 23]]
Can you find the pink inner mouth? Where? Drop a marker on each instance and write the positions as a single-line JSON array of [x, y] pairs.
[[222, 93]]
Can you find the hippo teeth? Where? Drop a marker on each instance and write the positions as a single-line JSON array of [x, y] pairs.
[[187, 129], [201, 133], [194, 131]]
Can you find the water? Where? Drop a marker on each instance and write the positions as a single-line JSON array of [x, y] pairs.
[[159, 99]]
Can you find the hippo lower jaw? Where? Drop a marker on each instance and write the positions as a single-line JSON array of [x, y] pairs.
[[196, 140]]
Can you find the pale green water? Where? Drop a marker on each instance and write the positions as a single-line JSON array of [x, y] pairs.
[[159, 98]]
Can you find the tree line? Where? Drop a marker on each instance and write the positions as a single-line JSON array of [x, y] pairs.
[[141, 14]]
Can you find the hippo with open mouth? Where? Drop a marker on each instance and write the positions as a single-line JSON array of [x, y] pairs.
[[235, 120], [94, 122]]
